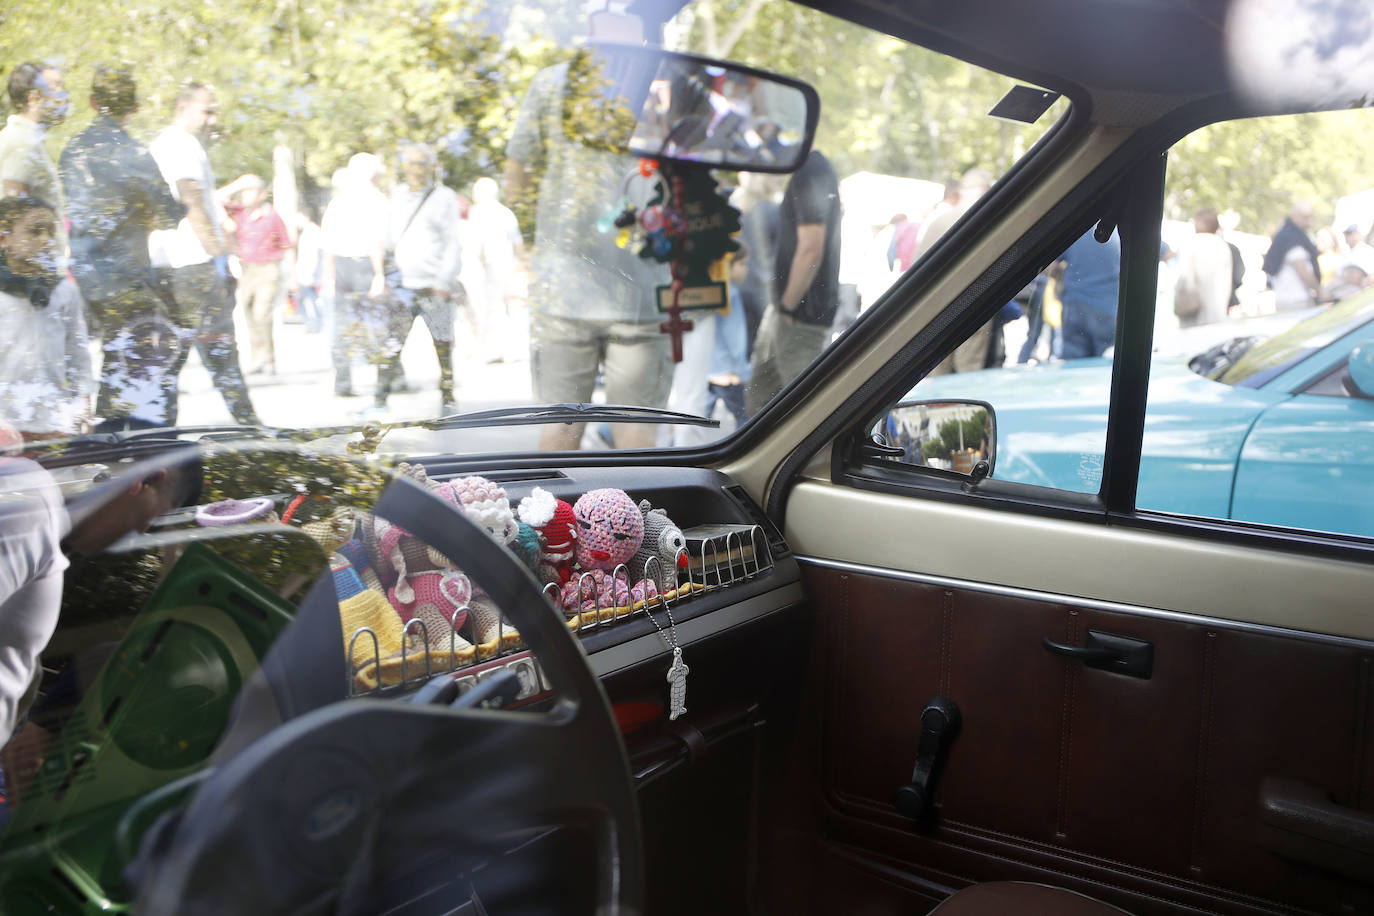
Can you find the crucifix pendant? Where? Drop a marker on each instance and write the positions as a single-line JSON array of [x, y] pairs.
[[677, 686]]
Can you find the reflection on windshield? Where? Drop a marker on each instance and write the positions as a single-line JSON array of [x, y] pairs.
[[257, 229], [1269, 359]]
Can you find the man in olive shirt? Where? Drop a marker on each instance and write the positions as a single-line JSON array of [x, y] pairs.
[[806, 282]]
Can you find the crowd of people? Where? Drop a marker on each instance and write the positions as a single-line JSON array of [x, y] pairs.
[[136, 255]]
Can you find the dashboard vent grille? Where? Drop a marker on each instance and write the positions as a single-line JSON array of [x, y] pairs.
[[523, 476]]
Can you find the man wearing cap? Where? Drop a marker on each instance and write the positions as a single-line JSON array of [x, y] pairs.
[[193, 259]]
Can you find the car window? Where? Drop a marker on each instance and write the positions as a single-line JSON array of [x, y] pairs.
[[386, 214], [1265, 291], [1254, 412], [1042, 365]]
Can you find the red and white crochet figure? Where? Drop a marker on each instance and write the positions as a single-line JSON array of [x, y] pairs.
[[557, 526]]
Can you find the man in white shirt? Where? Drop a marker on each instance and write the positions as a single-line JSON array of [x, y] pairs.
[[424, 226], [192, 260], [355, 232], [1360, 252]]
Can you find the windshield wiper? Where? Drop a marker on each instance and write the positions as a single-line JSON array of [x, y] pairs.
[[566, 413]]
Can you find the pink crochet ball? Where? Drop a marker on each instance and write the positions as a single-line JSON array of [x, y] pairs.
[[612, 529]]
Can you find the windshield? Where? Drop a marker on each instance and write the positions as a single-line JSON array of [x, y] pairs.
[[311, 215], [1273, 357]]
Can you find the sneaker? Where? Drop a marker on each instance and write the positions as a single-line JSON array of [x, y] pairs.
[[448, 405]]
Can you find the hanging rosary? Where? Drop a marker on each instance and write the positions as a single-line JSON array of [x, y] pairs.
[[685, 224], [677, 671]]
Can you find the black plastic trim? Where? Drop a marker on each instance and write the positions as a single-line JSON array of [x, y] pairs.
[[874, 477], [1140, 234], [1011, 271]]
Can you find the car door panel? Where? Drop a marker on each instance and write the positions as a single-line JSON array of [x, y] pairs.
[[1144, 792]]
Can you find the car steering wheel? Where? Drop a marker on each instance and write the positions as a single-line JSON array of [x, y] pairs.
[[323, 813]]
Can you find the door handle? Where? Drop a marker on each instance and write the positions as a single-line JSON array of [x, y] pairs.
[[1082, 653], [1109, 652]]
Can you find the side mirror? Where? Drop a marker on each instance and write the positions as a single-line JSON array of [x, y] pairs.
[[688, 108], [1361, 367], [955, 436]]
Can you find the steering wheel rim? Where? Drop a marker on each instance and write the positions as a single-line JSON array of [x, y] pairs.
[[358, 763]]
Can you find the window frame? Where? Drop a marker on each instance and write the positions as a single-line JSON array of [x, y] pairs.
[[1135, 176]]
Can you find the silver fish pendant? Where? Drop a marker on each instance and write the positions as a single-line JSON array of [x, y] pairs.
[[677, 686]]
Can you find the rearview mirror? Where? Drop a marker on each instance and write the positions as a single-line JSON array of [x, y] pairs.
[[957, 436], [689, 108]]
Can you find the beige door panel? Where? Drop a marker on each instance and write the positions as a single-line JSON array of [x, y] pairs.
[[1133, 568]]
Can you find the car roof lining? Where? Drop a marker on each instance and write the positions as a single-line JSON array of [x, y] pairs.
[[1132, 59]]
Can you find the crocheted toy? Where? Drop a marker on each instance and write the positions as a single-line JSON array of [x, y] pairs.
[[360, 606], [593, 591], [354, 552], [664, 540], [489, 508], [334, 530], [612, 529], [395, 553], [438, 597], [486, 504], [528, 548], [557, 527]]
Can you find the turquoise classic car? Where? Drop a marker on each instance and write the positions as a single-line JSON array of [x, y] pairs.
[[1279, 432]]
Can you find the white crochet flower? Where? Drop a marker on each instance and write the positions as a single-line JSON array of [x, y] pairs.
[[536, 510]]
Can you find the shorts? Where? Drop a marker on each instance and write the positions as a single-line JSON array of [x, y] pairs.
[[565, 354]]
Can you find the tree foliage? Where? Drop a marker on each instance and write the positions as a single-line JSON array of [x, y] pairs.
[[326, 79], [329, 78], [1259, 167]]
